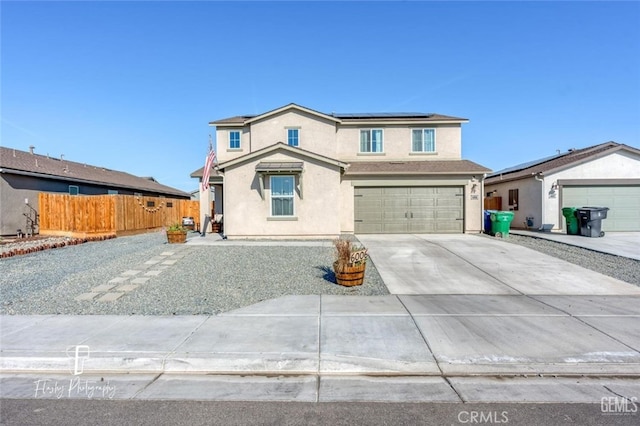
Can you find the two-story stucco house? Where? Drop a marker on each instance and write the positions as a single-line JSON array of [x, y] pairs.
[[298, 173]]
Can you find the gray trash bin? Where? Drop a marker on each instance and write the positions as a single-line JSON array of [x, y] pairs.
[[590, 219]]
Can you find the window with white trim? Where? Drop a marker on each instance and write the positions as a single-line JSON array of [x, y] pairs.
[[282, 194], [371, 140], [293, 137], [234, 139], [74, 190], [423, 140]]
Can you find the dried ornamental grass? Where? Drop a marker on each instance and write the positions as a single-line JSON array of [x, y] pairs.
[[344, 249]]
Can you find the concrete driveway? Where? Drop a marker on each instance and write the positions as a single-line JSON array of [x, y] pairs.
[[474, 265]]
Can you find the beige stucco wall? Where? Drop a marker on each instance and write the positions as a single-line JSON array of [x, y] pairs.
[[223, 153], [342, 142], [317, 213], [316, 134], [529, 201], [619, 165], [397, 143]]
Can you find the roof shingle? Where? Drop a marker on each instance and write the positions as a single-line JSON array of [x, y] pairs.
[[415, 167], [545, 165], [13, 160]]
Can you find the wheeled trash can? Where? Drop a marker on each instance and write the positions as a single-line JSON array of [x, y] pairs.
[[500, 223], [591, 220], [571, 216]]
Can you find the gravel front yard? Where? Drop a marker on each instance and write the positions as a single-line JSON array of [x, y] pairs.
[[170, 279], [150, 277]]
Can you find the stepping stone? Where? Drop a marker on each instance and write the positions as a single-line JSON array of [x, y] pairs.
[[168, 253], [86, 296], [140, 280], [102, 288], [119, 280], [152, 262], [127, 287], [131, 272], [154, 273], [110, 297], [169, 262]]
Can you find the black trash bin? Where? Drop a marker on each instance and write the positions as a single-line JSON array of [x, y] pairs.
[[590, 219]]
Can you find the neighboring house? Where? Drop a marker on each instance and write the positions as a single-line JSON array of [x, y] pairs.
[[605, 175], [25, 174], [296, 172]]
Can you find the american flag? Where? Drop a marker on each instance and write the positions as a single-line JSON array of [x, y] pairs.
[[207, 166]]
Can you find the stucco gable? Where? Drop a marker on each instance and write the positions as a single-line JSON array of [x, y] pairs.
[[291, 107], [280, 147]]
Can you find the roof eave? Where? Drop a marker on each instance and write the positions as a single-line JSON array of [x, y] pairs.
[[86, 181], [276, 146], [293, 106]]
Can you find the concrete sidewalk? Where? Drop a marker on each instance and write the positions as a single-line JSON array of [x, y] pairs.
[[428, 348], [471, 319]]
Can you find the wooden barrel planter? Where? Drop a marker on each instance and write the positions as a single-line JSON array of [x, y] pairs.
[[216, 227], [350, 275], [176, 237]]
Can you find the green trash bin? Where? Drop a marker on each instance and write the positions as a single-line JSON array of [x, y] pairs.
[[500, 223], [571, 216]]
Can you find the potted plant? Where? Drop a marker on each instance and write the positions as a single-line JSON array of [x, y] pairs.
[[350, 262], [216, 224], [177, 234]]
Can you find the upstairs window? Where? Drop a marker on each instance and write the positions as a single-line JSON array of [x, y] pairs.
[[371, 140], [293, 137], [234, 139], [423, 140], [282, 195]]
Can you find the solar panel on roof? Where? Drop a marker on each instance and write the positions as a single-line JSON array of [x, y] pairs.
[[526, 165], [380, 114]]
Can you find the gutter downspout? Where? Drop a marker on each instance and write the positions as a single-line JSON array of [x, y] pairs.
[[536, 177]]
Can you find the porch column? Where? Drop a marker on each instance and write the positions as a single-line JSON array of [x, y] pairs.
[[205, 207]]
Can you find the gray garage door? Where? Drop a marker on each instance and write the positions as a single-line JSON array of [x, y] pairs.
[[623, 202], [398, 210]]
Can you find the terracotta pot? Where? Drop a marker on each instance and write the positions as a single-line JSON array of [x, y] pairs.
[[350, 275]]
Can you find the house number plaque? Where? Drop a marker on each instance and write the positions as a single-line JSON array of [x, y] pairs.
[[358, 256]]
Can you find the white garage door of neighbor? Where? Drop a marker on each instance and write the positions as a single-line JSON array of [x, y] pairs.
[[397, 210], [623, 202]]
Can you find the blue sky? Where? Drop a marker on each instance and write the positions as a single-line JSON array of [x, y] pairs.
[[132, 85]]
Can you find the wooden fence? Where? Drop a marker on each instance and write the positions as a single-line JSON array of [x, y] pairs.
[[86, 215]]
